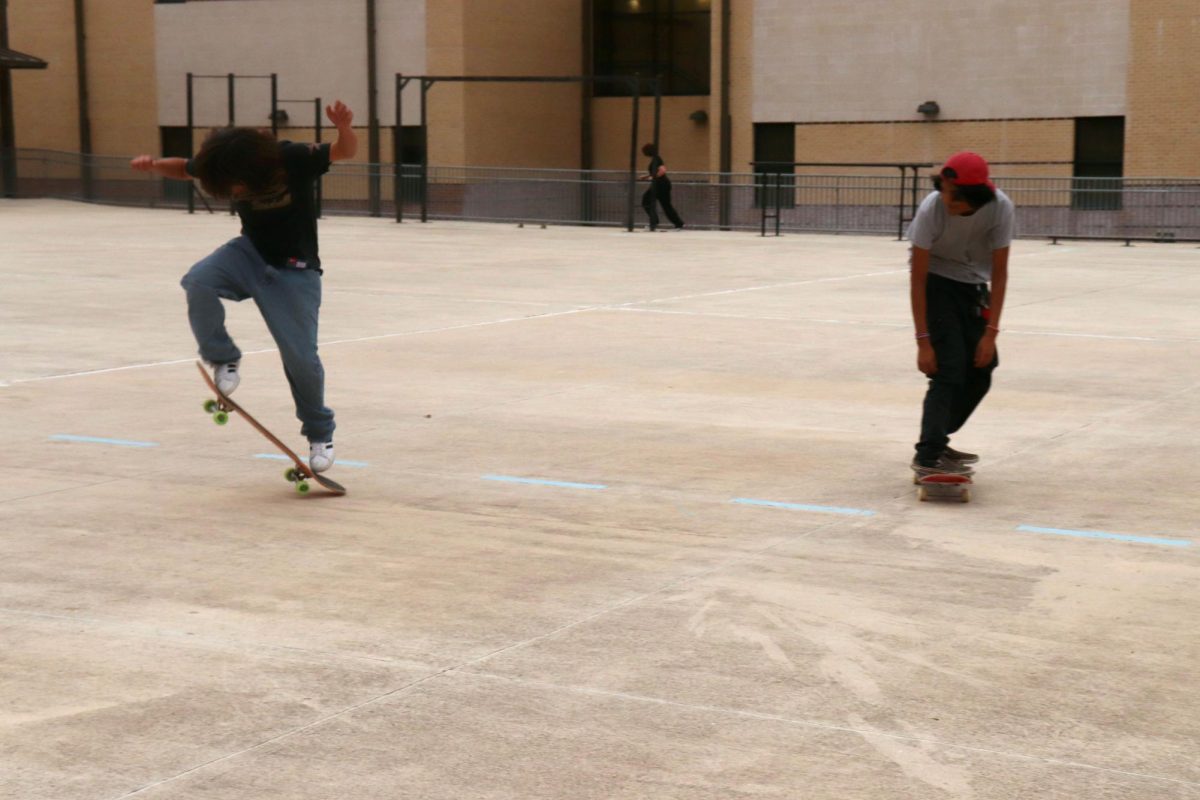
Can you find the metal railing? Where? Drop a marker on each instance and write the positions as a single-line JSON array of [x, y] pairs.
[[1162, 209]]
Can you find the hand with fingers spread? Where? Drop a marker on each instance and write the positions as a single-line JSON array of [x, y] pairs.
[[347, 142], [340, 115]]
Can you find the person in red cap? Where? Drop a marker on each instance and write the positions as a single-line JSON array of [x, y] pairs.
[[960, 243]]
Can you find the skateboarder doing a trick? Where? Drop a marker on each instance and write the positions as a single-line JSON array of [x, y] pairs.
[[960, 241], [274, 260]]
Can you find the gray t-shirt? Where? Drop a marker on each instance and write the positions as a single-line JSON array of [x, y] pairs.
[[960, 248]]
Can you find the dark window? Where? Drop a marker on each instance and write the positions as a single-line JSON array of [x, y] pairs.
[[410, 152], [774, 152], [1099, 154], [671, 39], [175, 144]]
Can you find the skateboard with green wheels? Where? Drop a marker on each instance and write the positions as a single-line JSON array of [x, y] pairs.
[[300, 474]]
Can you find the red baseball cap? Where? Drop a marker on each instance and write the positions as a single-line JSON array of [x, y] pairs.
[[969, 169]]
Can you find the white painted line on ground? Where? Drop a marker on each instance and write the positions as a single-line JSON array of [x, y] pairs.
[[339, 462], [447, 328], [866, 324]]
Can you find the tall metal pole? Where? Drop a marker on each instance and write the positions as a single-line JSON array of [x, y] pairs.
[[587, 89], [275, 105], [657, 112], [373, 109], [8, 136], [81, 80], [232, 102], [633, 151], [317, 130], [726, 127], [397, 167], [424, 151], [191, 129]]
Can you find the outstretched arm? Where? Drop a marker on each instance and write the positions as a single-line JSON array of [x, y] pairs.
[[167, 167], [347, 142]]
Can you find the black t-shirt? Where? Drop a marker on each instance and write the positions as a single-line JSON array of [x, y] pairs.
[[655, 163], [282, 224]]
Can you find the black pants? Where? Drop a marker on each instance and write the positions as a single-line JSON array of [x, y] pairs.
[[660, 192], [954, 313]]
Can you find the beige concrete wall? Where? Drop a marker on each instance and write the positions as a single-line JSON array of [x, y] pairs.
[[317, 47], [874, 60], [45, 102], [1162, 134], [683, 142]]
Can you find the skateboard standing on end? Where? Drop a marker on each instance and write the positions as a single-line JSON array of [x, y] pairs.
[[300, 474], [943, 486]]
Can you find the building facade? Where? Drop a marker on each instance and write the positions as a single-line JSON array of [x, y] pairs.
[[1073, 87]]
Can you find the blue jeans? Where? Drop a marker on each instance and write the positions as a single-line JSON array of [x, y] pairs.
[[289, 300]]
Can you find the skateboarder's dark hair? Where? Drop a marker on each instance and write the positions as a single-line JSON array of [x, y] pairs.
[[976, 196], [649, 150], [231, 156]]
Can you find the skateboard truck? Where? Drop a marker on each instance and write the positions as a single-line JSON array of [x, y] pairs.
[[943, 486]]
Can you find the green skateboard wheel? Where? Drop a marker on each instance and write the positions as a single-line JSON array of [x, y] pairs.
[[221, 417], [210, 406], [302, 487], [291, 474]]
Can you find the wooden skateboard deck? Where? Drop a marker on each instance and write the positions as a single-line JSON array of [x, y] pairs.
[[300, 474], [956, 487]]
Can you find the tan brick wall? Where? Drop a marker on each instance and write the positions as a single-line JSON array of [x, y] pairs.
[[45, 102], [742, 83], [121, 79], [1162, 134], [445, 38], [505, 125], [683, 142]]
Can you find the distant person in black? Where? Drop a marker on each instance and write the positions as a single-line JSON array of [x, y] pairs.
[[659, 191]]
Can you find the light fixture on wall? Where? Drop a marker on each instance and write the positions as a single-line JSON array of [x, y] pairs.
[[929, 108], [699, 117]]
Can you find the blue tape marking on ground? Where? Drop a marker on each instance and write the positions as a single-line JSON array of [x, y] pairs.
[[852, 512], [339, 462], [540, 482], [1121, 537], [66, 437]]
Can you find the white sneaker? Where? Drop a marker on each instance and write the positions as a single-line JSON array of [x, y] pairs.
[[320, 456], [226, 377]]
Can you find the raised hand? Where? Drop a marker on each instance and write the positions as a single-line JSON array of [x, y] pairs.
[[339, 114], [142, 164]]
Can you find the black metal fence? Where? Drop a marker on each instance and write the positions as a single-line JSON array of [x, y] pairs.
[[1161, 209]]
